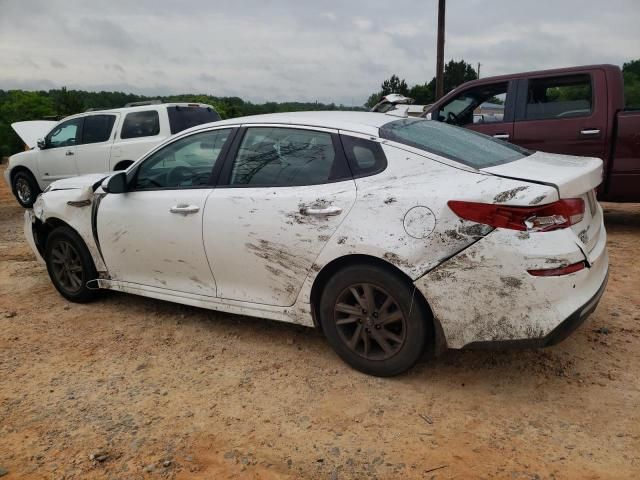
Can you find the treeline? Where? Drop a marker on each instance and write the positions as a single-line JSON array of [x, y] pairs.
[[20, 105]]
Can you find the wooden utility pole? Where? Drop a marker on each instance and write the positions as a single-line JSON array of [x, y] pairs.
[[479, 69], [440, 52]]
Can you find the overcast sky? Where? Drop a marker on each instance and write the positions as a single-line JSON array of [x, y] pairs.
[[331, 51]]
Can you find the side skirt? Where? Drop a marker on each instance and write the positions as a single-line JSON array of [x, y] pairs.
[[299, 313]]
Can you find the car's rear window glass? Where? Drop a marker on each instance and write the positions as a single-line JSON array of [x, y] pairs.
[[365, 156], [97, 128], [183, 117], [465, 146], [141, 124]]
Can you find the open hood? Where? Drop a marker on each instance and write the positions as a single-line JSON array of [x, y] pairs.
[[32, 130], [572, 176]]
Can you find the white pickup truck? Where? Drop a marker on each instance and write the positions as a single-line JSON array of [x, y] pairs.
[[95, 142]]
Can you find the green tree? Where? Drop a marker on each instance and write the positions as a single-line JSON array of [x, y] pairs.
[[394, 85], [631, 74]]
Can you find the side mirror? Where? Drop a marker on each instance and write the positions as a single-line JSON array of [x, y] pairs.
[[115, 183], [41, 143]]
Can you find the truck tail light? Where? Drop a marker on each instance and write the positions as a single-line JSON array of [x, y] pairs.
[[560, 214]]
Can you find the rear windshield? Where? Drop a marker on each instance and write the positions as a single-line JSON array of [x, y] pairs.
[[459, 144], [183, 117]]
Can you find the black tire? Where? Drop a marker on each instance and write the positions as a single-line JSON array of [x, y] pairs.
[[70, 265], [25, 188], [405, 338]]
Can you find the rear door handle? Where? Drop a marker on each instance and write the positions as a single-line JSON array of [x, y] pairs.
[[501, 136], [590, 132], [69, 153], [321, 212], [184, 209]]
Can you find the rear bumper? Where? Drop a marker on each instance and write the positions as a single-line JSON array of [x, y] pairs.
[[485, 295], [558, 334]]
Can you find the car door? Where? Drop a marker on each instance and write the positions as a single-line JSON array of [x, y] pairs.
[[140, 131], [486, 108], [56, 160], [152, 234], [94, 149], [561, 114], [281, 196]]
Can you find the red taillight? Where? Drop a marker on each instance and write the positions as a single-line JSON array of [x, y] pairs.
[[556, 272], [560, 214]]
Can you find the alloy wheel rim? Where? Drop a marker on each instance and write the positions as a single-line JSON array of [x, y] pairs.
[[23, 190], [67, 266], [370, 321]]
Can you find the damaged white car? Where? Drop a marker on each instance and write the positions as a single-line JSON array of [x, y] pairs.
[[391, 235]]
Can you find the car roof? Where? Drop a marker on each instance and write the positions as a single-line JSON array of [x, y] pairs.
[[360, 122]]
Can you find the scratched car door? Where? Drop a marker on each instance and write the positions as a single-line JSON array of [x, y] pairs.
[[281, 197]]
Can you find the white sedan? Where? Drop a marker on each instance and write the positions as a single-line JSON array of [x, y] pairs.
[[392, 235]]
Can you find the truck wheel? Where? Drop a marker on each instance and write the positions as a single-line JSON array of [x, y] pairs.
[[70, 265], [25, 188]]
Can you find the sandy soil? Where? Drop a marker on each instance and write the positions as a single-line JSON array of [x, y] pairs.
[[129, 387]]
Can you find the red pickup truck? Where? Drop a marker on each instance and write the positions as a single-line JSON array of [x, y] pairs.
[[575, 111]]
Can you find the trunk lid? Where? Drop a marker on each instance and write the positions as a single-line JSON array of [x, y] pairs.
[[573, 177], [32, 130]]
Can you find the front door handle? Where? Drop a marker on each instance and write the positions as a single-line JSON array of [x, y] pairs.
[[590, 132], [501, 136], [69, 153], [184, 209], [321, 212]]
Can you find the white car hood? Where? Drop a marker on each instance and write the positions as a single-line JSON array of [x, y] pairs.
[[572, 176], [32, 130], [82, 181]]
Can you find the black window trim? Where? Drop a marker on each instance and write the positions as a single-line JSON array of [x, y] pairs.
[[225, 173], [523, 93], [215, 170]]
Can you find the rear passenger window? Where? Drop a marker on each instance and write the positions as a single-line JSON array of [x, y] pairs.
[[182, 117], [286, 157], [97, 128], [365, 156], [559, 97], [141, 124]]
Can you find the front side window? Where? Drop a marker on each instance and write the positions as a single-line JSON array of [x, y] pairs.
[[187, 162], [97, 128], [459, 144], [64, 135], [484, 104], [273, 156], [559, 97], [141, 124]]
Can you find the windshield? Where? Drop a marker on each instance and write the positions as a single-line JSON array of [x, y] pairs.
[[459, 144]]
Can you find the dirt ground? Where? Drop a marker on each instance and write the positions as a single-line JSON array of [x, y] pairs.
[[129, 387]]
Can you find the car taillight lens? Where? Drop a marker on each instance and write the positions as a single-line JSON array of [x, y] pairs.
[[557, 272], [560, 214]]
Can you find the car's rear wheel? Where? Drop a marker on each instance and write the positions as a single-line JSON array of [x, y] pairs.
[[70, 265], [25, 188], [374, 319]]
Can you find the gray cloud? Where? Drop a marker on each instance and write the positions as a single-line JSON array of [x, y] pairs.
[[291, 50]]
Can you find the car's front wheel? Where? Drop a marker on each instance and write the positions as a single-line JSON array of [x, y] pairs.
[[374, 320], [25, 188], [70, 265]]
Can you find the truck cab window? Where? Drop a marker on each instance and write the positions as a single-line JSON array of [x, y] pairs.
[[483, 104], [559, 97]]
